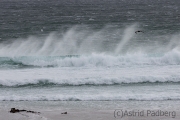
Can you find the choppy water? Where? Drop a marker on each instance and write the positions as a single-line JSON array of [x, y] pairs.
[[88, 50]]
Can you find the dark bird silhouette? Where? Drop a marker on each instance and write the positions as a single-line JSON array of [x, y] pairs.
[[139, 31]]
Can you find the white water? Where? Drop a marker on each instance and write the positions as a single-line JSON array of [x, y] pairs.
[[143, 82], [99, 60], [91, 75], [84, 93], [103, 62]]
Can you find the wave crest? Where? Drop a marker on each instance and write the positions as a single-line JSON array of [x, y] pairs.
[[103, 60], [90, 81]]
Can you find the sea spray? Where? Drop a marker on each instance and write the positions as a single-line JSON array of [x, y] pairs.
[[78, 40], [128, 35]]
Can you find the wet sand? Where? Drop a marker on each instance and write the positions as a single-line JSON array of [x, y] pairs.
[[108, 110]]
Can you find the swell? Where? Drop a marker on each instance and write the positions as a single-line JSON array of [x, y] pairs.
[[30, 62], [6, 62]]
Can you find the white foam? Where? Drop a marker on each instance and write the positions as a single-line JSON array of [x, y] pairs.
[[140, 92], [103, 60], [90, 75]]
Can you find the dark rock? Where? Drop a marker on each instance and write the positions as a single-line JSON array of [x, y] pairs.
[[14, 110]]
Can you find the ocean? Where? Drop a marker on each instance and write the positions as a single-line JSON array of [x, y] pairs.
[[87, 50]]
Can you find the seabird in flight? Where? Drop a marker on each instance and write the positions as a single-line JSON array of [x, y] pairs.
[[139, 31]]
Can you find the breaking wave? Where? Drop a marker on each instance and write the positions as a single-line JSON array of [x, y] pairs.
[[103, 60], [14, 82]]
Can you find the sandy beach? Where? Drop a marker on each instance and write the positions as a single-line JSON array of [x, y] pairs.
[[78, 114], [82, 110]]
